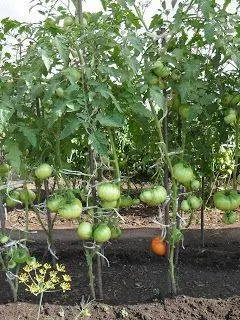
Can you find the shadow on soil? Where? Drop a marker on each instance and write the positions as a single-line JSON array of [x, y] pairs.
[[137, 276]]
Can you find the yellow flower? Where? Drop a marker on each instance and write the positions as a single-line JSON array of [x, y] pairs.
[[28, 268], [49, 285], [40, 278], [67, 278], [34, 289], [42, 271], [24, 277], [35, 265], [65, 286], [47, 266], [60, 267]]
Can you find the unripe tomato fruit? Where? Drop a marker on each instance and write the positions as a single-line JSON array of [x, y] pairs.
[[185, 206], [10, 201], [108, 191], [184, 110], [109, 204], [85, 230], [3, 239], [59, 92], [238, 179], [125, 201], [195, 184], [146, 196], [229, 217], [182, 173], [43, 171], [231, 117], [194, 202], [158, 246], [71, 210], [20, 255], [4, 168], [102, 233], [68, 21], [27, 196], [54, 203], [226, 200], [116, 232], [154, 196]]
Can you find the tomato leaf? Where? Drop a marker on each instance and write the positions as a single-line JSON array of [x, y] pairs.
[[70, 128], [29, 134], [46, 59], [99, 142], [13, 154], [115, 120]]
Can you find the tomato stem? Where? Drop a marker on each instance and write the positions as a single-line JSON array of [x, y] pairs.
[[115, 157], [236, 153], [164, 150]]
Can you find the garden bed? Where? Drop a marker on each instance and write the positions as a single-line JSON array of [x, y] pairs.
[[135, 285]]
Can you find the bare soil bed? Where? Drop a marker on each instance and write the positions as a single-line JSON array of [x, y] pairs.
[[135, 285]]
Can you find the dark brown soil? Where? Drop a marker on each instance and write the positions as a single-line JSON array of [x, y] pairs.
[[135, 285]]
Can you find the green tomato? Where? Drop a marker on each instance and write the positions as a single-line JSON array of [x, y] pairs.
[[85, 230], [194, 202], [195, 184], [158, 68], [4, 169], [27, 196], [182, 173], [146, 196], [102, 233], [11, 264], [226, 200], [3, 238], [109, 204], [184, 111], [116, 232], [10, 201], [231, 117], [125, 201], [54, 203], [20, 255], [185, 206], [135, 202], [68, 22], [71, 210], [154, 196], [43, 172], [75, 75], [162, 85], [108, 191], [159, 195], [229, 217], [165, 72], [31, 260], [59, 92], [151, 79], [238, 179]]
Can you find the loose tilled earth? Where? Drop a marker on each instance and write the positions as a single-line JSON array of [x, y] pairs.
[[135, 285]]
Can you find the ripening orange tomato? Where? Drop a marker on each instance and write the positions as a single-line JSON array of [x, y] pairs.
[[158, 246]]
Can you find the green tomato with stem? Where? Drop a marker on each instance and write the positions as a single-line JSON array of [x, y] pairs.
[[43, 171], [85, 230], [108, 191], [102, 233]]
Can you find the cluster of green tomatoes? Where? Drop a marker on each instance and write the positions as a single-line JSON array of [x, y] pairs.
[[185, 175], [227, 201]]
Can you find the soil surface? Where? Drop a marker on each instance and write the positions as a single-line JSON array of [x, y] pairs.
[[135, 285], [135, 217]]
